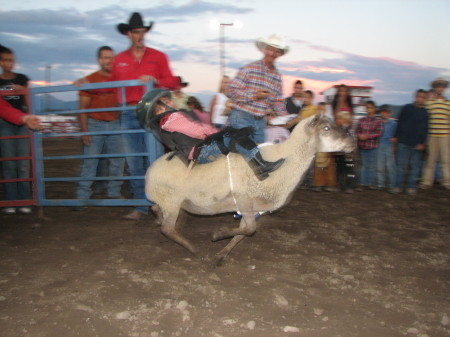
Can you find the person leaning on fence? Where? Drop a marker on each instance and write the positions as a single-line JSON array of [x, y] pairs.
[[17, 117], [146, 64], [195, 140], [100, 122], [14, 169], [257, 89]]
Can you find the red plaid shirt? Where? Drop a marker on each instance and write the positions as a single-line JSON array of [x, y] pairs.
[[371, 126]]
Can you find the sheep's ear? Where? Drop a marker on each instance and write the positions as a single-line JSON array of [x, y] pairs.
[[314, 121]]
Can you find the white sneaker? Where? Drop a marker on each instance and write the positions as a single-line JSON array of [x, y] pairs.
[[9, 210], [24, 210]]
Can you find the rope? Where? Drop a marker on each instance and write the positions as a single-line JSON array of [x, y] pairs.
[[230, 178]]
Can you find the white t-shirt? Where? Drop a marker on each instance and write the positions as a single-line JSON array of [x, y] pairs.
[[218, 109]]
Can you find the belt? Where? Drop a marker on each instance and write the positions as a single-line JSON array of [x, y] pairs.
[[258, 117]]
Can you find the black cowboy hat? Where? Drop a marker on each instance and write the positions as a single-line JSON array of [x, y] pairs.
[[134, 22], [182, 84]]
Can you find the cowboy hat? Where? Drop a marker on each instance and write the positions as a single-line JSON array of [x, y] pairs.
[[134, 22], [182, 84], [275, 41], [438, 82]]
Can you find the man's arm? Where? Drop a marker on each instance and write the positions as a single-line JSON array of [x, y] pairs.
[[15, 116]]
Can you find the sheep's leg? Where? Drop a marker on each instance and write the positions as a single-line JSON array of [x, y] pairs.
[[246, 227], [171, 221], [158, 214], [220, 256]]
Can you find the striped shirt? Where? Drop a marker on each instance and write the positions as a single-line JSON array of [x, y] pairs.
[[252, 78], [438, 117]]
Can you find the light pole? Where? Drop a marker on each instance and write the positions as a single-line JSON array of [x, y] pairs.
[[221, 25], [222, 47], [48, 83]]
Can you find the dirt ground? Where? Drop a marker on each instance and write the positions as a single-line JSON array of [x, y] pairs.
[[369, 264]]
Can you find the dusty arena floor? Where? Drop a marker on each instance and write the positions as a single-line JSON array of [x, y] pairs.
[[327, 265], [369, 264]]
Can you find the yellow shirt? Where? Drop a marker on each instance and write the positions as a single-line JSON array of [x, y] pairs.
[[308, 111]]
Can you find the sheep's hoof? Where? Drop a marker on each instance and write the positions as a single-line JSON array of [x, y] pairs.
[[218, 261], [221, 234]]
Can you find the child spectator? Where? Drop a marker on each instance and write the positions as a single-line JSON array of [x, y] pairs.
[[324, 177], [194, 105], [385, 154], [307, 110], [368, 132]]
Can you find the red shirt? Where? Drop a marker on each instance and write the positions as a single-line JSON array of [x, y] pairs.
[[153, 63], [101, 98]]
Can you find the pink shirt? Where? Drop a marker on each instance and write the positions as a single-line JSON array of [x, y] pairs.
[[179, 122]]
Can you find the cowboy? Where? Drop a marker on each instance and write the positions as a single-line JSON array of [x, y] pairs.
[[194, 140], [438, 142], [146, 64], [256, 91]]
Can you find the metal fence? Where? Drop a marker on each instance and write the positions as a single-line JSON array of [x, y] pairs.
[[62, 124]]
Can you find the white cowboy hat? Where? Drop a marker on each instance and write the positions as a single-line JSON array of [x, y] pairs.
[[275, 41]]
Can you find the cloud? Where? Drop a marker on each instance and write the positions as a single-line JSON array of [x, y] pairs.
[[68, 39], [394, 80]]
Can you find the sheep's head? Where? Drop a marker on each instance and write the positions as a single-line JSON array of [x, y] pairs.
[[330, 137]]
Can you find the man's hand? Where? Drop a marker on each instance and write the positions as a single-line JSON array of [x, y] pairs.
[[32, 121], [420, 147], [80, 82], [147, 78], [86, 140], [261, 94], [363, 136]]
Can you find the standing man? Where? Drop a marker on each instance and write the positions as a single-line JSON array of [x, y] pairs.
[[100, 121], [146, 64], [256, 91], [14, 83], [411, 134], [294, 103], [438, 135]]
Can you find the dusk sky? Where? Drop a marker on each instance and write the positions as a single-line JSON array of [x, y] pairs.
[[396, 46]]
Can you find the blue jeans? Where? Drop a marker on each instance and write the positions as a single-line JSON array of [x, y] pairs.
[[239, 119], [367, 171], [407, 155], [385, 162], [211, 152], [15, 169], [138, 143], [112, 144]]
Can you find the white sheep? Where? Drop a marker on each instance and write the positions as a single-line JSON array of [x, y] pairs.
[[229, 185]]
